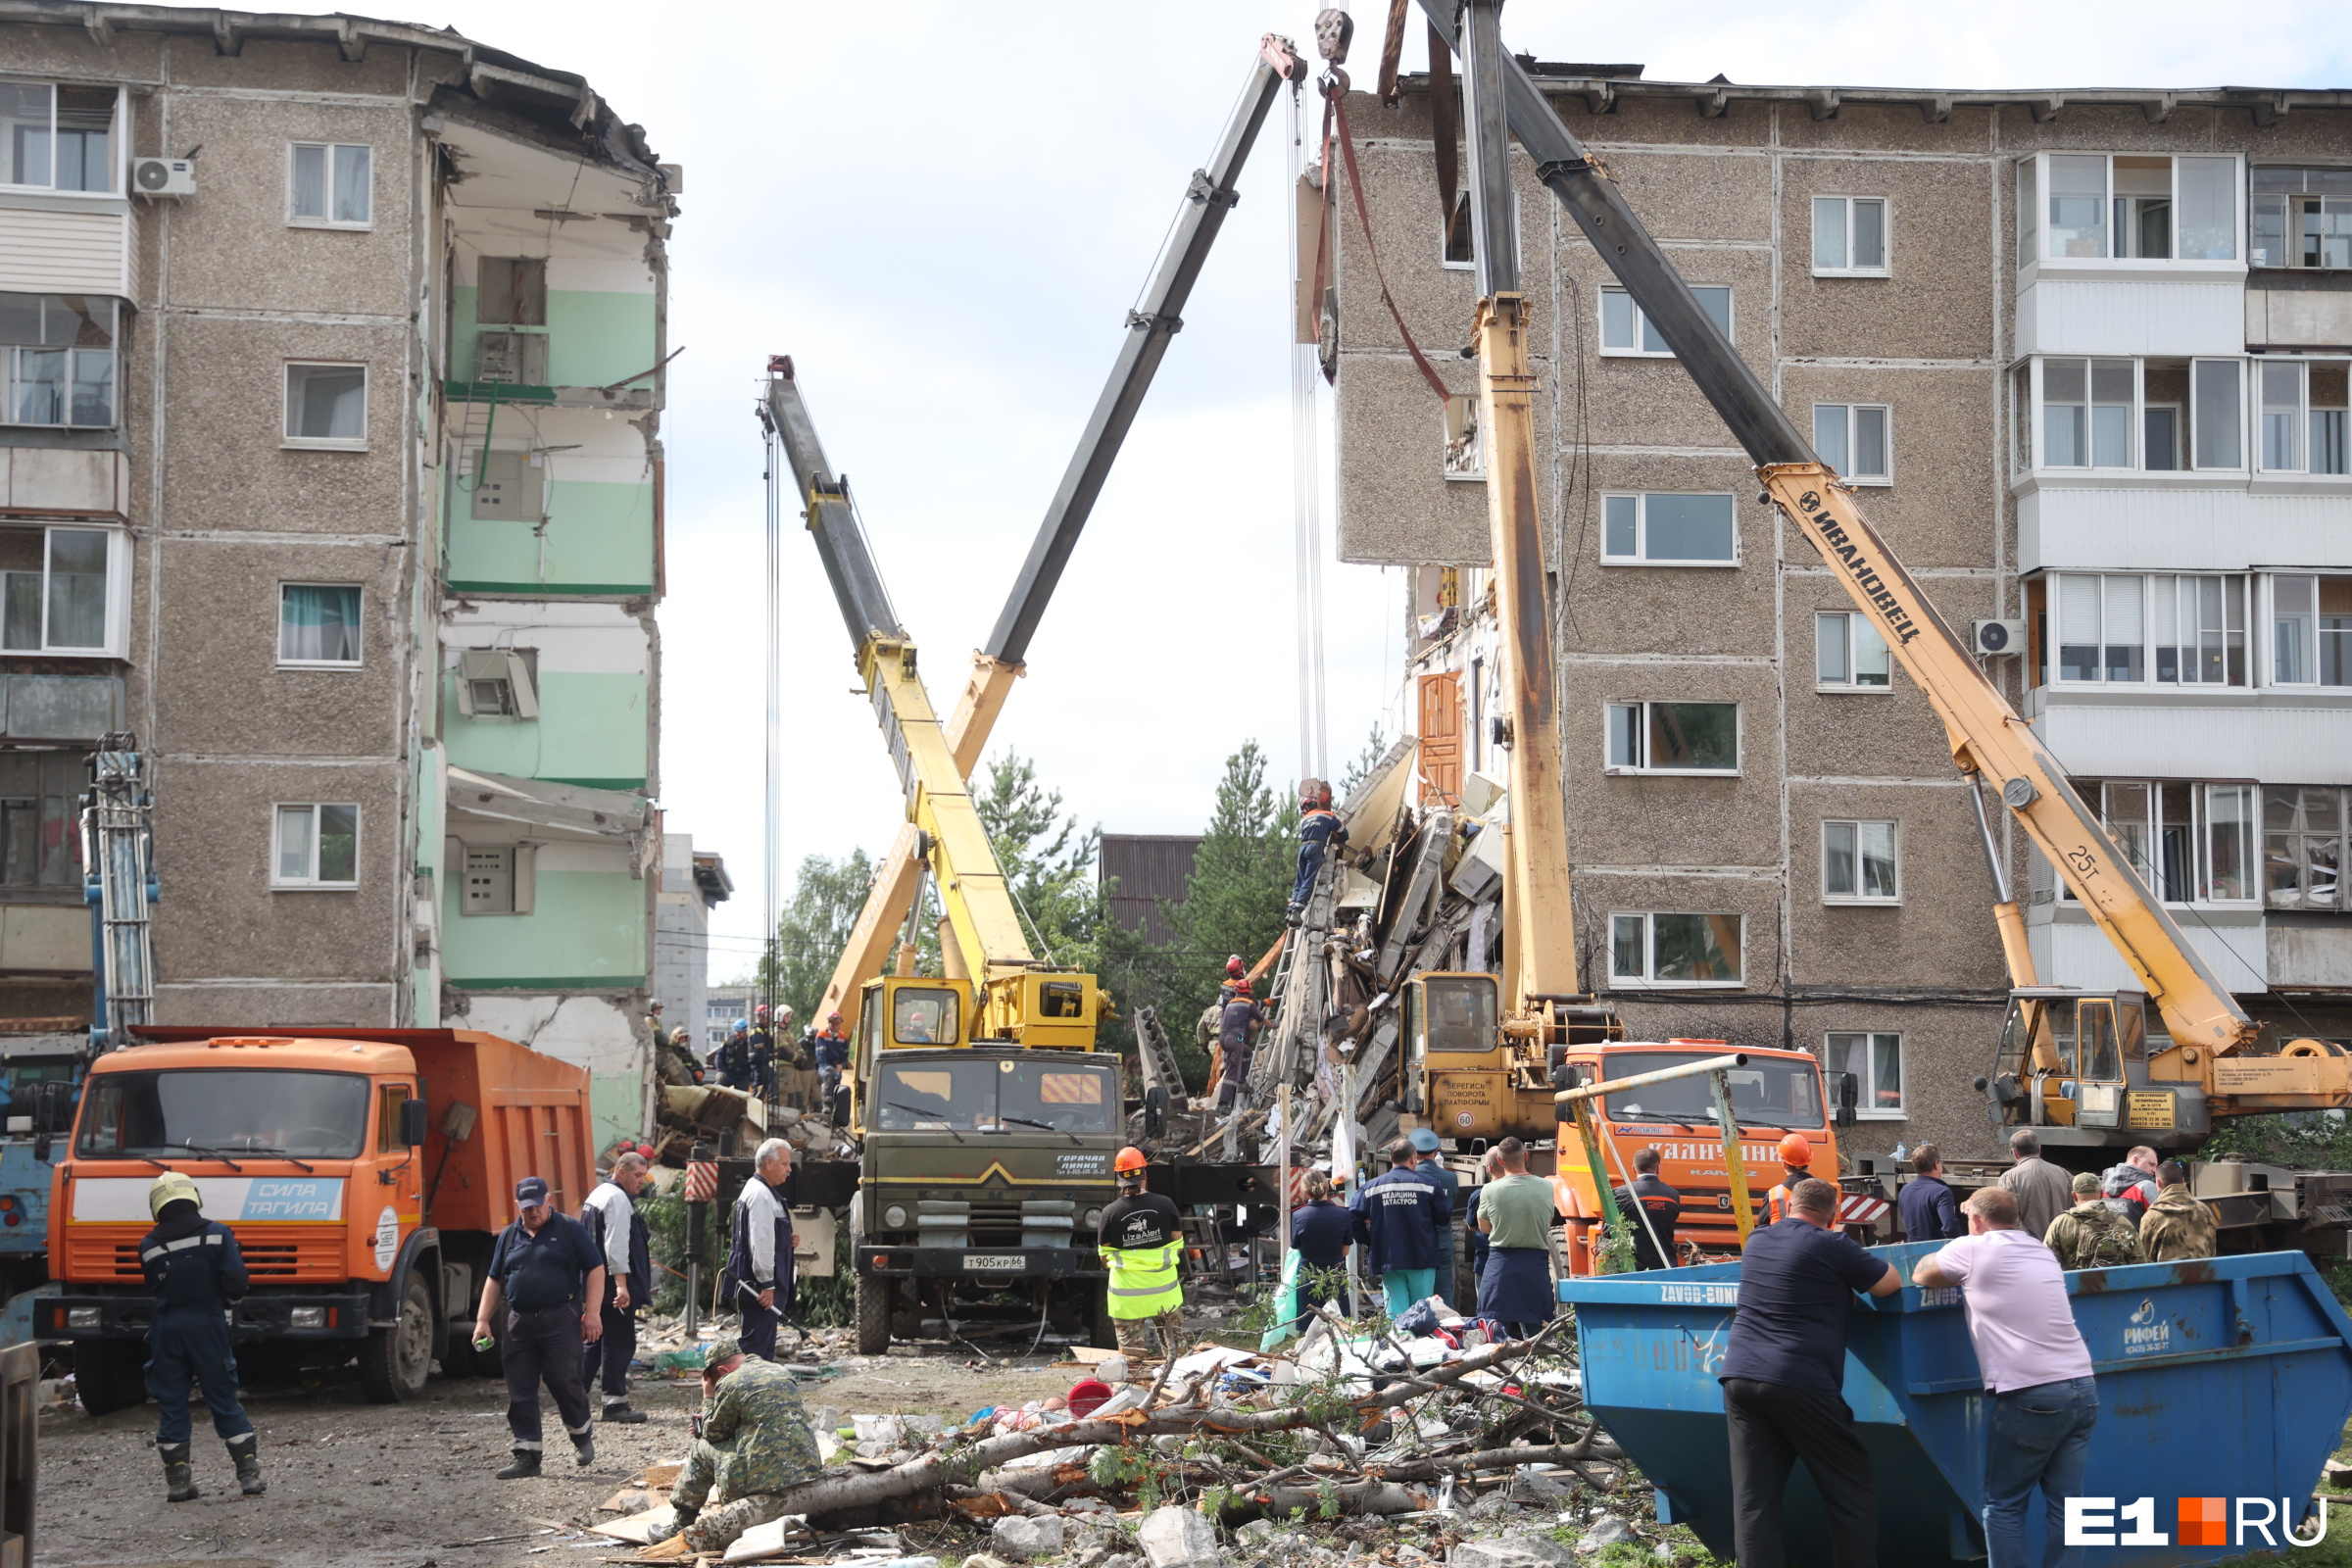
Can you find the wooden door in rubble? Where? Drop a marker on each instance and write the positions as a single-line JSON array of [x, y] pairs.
[[1442, 738]]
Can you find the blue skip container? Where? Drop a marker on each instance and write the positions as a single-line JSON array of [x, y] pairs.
[[2227, 1377]]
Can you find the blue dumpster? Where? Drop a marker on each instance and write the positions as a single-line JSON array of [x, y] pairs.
[[2225, 1378]]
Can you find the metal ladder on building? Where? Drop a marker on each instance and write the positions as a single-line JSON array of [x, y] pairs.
[[118, 848]]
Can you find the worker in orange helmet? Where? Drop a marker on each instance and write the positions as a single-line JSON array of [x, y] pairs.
[[1141, 1236], [1797, 1156]]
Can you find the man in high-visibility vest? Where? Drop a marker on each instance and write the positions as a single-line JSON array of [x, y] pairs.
[[1141, 1237], [1797, 1155]]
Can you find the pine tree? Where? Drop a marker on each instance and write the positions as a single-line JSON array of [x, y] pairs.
[[826, 895], [1050, 865], [1234, 901]]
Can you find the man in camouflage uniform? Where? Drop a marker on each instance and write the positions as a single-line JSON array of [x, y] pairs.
[[2090, 1235], [756, 1442], [2177, 1226]]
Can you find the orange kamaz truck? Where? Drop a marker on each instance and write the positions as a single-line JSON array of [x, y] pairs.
[[365, 1172]]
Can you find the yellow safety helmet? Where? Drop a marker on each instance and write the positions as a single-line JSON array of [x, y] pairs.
[[170, 1188]]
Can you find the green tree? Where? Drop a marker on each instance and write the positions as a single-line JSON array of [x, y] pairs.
[[1233, 903], [1049, 863], [826, 895], [1360, 766]]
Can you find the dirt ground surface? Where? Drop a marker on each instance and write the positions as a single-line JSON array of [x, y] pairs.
[[354, 1485]]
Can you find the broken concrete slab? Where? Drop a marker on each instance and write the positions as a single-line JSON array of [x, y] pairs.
[[1512, 1552], [1026, 1540], [1179, 1538]]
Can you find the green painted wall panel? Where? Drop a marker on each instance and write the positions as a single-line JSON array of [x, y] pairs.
[[600, 539], [617, 1103], [594, 338], [588, 930], [589, 727]]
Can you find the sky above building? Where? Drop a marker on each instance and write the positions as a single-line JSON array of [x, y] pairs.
[[944, 211]]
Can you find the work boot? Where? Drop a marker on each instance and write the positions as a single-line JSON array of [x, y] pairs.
[[583, 1449], [621, 1415], [245, 1451], [525, 1467], [179, 1477], [683, 1519]]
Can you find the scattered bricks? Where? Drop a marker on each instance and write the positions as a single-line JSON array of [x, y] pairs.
[[1025, 1539]]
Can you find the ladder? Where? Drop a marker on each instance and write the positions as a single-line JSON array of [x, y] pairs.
[[118, 848]]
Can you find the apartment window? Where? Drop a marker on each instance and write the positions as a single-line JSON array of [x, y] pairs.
[[326, 406], [2155, 415], [2216, 427], [318, 624], [1849, 654], [1675, 950], [2190, 842], [2310, 630], [1877, 1063], [2103, 207], [2302, 425], [58, 137], [2086, 413], [1674, 737], [2299, 217], [40, 818], [1626, 329], [1852, 438], [316, 847], [54, 590], [1849, 236], [498, 879], [2303, 849], [2162, 628], [1858, 863], [56, 352], [1669, 530], [330, 185]]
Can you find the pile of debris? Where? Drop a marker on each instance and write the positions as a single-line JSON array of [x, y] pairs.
[[1227, 1458], [686, 1114]]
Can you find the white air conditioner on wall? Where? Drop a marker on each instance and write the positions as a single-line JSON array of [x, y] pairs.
[[1997, 636], [163, 176]]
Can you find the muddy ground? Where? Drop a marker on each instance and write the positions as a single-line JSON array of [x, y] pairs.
[[354, 1485]]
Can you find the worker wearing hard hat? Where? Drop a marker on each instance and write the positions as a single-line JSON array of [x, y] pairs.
[[1319, 827], [1797, 1156], [195, 1272], [832, 1050], [1140, 1236]]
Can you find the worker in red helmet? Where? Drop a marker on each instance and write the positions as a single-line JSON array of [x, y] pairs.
[[1141, 1236], [1319, 827], [1796, 1159]]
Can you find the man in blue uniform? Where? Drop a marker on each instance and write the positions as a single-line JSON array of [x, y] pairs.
[[1399, 1215], [1238, 1024], [760, 1252], [194, 1271], [832, 1049], [1319, 827], [1425, 1161], [548, 1273], [620, 1232]]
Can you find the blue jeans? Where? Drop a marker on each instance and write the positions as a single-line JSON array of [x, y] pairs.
[[1405, 1286], [2037, 1437]]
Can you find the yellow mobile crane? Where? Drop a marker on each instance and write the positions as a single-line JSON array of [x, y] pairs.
[[2084, 1067]]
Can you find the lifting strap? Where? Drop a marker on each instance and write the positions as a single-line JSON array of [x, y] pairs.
[[1335, 94]]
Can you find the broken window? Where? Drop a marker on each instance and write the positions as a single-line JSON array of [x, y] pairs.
[[1849, 236], [2189, 843], [56, 352], [40, 818], [326, 406], [330, 185], [1853, 438], [1669, 529], [1465, 448], [1675, 950], [1674, 737], [1858, 863], [2303, 846], [54, 590], [1626, 330], [58, 137], [318, 624], [2165, 627], [1459, 249], [316, 846], [1877, 1063], [511, 291], [2300, 217], [1849, 654], [2126, 206]]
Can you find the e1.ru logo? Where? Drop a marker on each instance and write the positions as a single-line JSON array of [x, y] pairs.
[[2202, 1522]]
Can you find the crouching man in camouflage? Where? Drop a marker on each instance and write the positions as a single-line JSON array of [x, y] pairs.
[[755, 1443]]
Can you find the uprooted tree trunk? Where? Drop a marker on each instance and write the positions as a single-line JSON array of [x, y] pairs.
[[1348, 1497], [959, 1465]]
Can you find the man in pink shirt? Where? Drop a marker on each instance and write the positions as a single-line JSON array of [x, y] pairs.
[[2036, 1372]]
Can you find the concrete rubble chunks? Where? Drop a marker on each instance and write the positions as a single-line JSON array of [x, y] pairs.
[[1179, 1538]]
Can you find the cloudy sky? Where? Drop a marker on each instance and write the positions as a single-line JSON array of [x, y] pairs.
[[942, 213]]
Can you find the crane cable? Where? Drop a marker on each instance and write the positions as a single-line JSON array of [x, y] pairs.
[[1306, 480]]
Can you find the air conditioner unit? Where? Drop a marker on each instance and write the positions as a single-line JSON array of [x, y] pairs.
[[496, 683], [514, 358], [163, 176], [1997, 636]]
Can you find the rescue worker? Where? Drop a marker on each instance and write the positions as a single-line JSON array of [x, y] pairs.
[[759, 1278], [1796, 1153], [762, 1054], [1320, 1229], [548, 1274], [1930, 1212], [1237, 978], [674, 1061], [2090, 1235], [2177, 1226], [1237, 1037], [1425, 1150], [195, 1272], [1490, 1172], [619, 1233], [832, 1049], [2131, 1187], [1517, 1212], [2043, 1190], [1141, 1236], [1319, 827], [733, 1058], [755, 1443], [1660, 1204], [1399, 1214]]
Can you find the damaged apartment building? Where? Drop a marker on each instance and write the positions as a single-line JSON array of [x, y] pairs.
[[330, 466], [2085, 356]]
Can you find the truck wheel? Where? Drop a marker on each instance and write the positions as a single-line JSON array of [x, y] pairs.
[[394, 1361], [110, 1375], [876, 1297]]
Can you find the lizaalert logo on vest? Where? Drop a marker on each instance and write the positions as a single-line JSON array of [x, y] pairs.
[[231, 1199], [2198, 1521]]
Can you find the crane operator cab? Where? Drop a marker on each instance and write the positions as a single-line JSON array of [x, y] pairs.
[[1467, 1074], [2078, 1066]]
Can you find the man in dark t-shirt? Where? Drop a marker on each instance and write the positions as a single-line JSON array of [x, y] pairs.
[[1781, 1375]]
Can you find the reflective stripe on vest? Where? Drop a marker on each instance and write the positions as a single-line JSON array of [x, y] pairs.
[[1142, 1280], [1776, 1205]]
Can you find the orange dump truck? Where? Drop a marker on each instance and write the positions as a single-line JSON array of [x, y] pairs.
[[367, 1173]]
